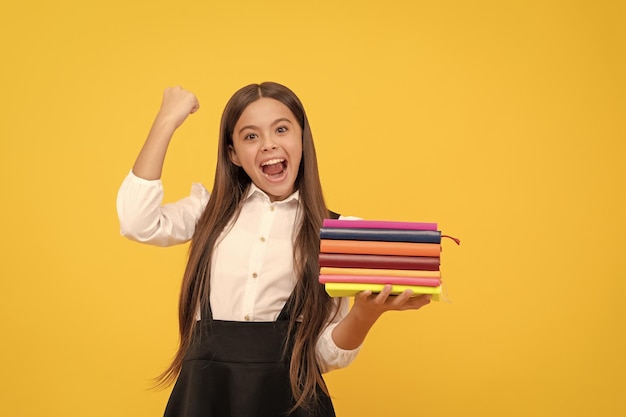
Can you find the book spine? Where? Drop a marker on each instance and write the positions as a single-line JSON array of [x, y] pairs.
[[346, 289], [425, 282], [346, 260], [383, 235], [380, 248], [379, 224], [380, 272]]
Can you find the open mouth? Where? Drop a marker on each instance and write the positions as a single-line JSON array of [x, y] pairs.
[[274, 167]]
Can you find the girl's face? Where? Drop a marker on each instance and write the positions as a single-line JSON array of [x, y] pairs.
[[267, 144]]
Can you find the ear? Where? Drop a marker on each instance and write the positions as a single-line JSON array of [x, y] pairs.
[[233, 156]]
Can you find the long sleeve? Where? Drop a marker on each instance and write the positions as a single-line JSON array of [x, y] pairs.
[[145, 219], [330, 355]]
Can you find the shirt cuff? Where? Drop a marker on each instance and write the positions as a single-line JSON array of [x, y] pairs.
[[132, 177], [332, 356]]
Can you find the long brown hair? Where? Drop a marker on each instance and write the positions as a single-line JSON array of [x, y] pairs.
[[310, 301]]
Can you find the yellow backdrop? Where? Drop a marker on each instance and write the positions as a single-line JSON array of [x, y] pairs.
[[502, 121]]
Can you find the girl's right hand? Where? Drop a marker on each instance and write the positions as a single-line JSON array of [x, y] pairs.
[[177, 105]]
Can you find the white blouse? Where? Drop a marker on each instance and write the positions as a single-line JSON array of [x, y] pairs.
[[252, 268]]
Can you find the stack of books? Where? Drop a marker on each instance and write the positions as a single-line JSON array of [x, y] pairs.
[[360, 255]]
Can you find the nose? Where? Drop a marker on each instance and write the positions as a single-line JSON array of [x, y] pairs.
[[268, 143]]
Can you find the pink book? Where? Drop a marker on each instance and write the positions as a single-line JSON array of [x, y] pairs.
[[379, 224], [424, 282]]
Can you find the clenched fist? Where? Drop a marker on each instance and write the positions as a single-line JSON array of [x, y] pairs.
[[177, 105]]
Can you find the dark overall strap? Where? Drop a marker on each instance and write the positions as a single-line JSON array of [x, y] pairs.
[[287, 309], [285, 313]]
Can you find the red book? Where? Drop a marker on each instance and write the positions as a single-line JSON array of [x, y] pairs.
[[347, 260]]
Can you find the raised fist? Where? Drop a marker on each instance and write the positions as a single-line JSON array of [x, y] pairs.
[[177, 105]]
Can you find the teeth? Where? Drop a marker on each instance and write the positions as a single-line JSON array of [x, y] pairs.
[[272, 162]]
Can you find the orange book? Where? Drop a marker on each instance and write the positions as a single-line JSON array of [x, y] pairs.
[[326, 270], [380, 248]]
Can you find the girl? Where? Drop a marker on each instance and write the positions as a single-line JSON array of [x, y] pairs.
[[257, 330]]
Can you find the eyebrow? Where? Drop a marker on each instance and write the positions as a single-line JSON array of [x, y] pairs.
[[275, 122]]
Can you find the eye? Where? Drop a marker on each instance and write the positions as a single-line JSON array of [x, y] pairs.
[[250, 136], [282, 129]]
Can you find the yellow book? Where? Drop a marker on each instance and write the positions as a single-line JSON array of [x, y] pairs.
[[349, 289]]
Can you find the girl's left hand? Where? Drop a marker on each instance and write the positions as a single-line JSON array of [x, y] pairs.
[[374, 305]]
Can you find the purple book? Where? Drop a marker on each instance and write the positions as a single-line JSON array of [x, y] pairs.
[[379, 224]]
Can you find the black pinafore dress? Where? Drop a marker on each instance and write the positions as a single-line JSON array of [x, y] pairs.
[[237, 369]]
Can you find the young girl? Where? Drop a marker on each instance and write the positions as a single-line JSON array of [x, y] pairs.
[[257, 330]]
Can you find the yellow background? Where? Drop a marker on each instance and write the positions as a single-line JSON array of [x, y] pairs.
[[503, 121]]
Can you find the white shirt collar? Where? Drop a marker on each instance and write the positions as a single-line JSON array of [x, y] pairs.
[[254, 190]]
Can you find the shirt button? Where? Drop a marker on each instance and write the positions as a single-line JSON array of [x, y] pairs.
[[247, 317], [272, 208], [254, 275], [262, 239]]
